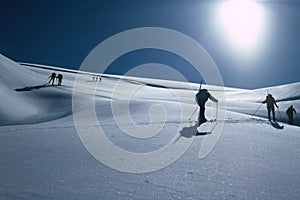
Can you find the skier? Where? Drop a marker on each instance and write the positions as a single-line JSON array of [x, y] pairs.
[[290, 112], [201, 97], [59, 77], [52, 78], [270, 106]]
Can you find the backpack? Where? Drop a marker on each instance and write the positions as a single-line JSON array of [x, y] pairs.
[[202, 96]]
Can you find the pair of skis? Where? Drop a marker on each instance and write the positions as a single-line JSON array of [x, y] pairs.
[[201, 131]]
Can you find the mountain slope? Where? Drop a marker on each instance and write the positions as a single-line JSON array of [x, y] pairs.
[[252, 159], [23, 98]]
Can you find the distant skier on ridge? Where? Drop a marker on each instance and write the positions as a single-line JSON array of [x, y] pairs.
[[201, 98], [52, 78], [59, 78], [290, 112], [270, 106]]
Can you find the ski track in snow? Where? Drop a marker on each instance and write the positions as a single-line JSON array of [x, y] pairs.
[[42, 156]]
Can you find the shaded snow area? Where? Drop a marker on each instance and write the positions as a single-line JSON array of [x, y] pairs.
[[43, 157]]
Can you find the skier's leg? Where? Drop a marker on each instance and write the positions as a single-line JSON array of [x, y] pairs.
[[273, 113], [269, 112], [202, 114], [199, 117]]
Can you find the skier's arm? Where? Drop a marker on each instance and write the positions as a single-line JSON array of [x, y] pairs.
[[294, 110], [213, 99], [275, 104]]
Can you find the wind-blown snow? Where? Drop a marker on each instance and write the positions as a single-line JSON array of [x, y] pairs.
[[42, 156]]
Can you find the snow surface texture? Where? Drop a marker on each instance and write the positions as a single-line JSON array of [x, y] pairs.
[[42, 156]]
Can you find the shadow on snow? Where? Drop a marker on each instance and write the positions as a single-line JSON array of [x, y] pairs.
[[276, 125], [191, 131], [30, 88]]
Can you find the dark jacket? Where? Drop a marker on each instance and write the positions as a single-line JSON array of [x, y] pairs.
[[270, 101], [290, 111], [203, 95]]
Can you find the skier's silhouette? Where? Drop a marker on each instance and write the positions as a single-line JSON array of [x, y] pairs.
[[290, 113], [59, 78], [52, 78], [201, 98], [270, 106]]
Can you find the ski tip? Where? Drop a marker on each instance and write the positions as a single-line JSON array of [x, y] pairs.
[[203, 133]]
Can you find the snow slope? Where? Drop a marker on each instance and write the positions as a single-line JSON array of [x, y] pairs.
[[34, 101], [42, 156]]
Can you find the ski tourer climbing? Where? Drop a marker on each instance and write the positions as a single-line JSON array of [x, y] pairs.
[[290, 113], [52, 78], [270, 106], [59, 78], [201, 98]]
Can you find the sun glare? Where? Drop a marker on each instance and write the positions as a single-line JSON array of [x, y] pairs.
[[242, 21]]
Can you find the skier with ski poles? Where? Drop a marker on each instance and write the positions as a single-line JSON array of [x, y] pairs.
[[290, 113], [201, 98], [59, 78], [52, 78], [270, 106]]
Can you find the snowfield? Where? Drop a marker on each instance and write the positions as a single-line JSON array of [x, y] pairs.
[[43, 156]]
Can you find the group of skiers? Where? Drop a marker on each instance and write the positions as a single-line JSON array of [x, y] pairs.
[[97, 78], [203, 95], [59, 78], [271, 103]]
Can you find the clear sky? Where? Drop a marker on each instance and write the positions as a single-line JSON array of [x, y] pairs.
[[254, 46]]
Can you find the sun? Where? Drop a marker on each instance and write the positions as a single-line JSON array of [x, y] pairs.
[[242, 21]]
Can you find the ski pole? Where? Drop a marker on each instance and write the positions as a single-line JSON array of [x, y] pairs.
[[193, 113], [257, 109], [296, 117], [279, 114], [217, 109]]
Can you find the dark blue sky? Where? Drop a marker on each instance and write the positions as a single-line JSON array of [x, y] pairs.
[[62, 33]]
